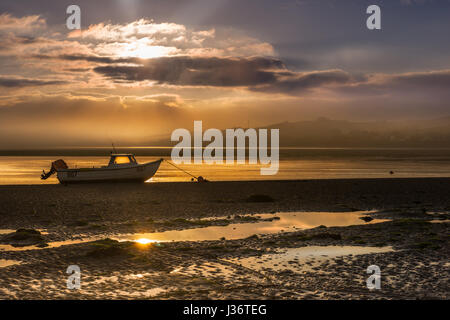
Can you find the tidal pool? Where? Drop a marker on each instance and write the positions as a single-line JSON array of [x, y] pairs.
[[304, 258], [7, 263], [281, 222], [6, 231], [271, 223]]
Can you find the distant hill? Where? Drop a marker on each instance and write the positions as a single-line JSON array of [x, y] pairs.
[[340, 133], [324, 132]]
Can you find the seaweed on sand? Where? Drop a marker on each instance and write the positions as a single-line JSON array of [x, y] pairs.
[[108, 248], [23, 237]]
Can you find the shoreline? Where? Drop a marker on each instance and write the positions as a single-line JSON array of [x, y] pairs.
[[226, 181], [416, 268]]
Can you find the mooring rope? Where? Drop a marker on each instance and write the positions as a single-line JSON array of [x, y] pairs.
[[180, 169]]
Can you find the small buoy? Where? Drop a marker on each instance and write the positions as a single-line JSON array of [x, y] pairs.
[[201, 179]]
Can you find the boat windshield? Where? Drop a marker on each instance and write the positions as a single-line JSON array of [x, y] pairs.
[[122, 160]]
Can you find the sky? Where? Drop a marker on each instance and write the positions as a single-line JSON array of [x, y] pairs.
[[139, 69]]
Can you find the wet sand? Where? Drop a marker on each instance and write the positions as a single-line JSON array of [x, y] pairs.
[[416, 266]]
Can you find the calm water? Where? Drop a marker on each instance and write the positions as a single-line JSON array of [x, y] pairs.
[[294, 164], [304, 258], [286, 222]]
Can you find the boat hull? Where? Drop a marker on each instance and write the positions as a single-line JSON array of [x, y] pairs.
[[136, 173]]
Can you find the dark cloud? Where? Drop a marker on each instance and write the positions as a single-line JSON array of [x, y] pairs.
[[257, 73], [198, 71], [88, 58], [97, 59], [78, 69], [20, 83], [434, 79], [425, 85], [298, 83]]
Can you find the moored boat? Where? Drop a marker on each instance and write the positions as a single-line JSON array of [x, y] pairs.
[[121, 168]]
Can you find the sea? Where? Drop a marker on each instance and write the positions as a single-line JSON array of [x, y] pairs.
[[25, 166]]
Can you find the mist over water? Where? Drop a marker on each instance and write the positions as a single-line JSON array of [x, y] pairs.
[[25, 167]]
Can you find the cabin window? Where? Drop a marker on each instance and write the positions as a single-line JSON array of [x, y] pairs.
[[121, 160]]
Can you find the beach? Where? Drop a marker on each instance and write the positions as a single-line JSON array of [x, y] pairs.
[[406, 235]]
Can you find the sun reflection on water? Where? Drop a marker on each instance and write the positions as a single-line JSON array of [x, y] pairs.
[[145, 241]]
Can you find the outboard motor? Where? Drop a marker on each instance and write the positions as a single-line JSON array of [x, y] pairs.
[[56, 165]]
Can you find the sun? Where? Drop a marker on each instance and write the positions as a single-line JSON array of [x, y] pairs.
[[143, 49]]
